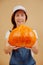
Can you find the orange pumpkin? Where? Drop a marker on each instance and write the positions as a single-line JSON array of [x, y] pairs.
[[22, 36]]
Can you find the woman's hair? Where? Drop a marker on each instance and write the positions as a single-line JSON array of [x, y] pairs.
[[13, 21]]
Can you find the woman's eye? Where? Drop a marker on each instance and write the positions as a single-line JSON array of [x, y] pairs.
[[17, 15]]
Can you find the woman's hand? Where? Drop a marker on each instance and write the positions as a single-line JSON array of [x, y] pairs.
[[8, 48], [35, 48], [15, 47]]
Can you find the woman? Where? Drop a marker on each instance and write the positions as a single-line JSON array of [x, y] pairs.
[[20, 56]]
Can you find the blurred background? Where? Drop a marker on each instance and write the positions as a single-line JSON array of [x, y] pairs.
[[35, 20]]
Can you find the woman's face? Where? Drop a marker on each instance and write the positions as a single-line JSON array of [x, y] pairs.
[[20, 18]]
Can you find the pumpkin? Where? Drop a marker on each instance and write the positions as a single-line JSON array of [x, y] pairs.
[[22, 36]]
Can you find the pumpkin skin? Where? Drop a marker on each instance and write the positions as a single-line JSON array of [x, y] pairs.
[[22, 36]]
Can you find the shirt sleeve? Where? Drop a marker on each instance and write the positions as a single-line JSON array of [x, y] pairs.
[[35, 33], [36, 36], [7, 35]]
